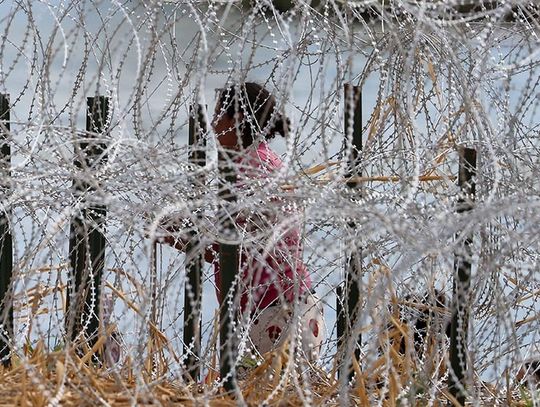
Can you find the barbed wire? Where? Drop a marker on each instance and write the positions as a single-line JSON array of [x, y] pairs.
[[435, 77]]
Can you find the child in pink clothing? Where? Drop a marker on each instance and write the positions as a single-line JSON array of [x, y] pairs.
[[267, 276], [275, 282]]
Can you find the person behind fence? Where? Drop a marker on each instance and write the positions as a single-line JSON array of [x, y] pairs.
[[275, 283]]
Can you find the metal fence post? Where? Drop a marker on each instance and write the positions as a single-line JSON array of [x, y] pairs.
[[229, 267], [461, 284], [6, 242], [348, 297], [87, 242], [194, 257]]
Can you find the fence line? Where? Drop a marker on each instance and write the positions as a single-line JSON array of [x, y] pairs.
[[87, 251]]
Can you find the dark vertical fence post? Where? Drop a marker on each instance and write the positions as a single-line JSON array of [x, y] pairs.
[[348, 298], [87, 242], [6, 243], [229, 265], [462, 276], [194, 257]]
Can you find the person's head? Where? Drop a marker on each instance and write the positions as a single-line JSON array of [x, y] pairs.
[[244, 113]]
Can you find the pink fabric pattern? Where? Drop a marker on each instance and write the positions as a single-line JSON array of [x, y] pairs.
[[268, 273]]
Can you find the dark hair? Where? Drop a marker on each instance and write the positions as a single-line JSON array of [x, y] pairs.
[[258, 107]]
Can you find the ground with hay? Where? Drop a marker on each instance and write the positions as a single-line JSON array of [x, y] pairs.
[[60, 378]]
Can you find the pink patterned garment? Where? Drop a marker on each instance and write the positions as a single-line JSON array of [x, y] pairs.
[[269, 270]]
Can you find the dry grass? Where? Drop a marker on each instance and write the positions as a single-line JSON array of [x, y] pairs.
[[64, 378], [40, 377]]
